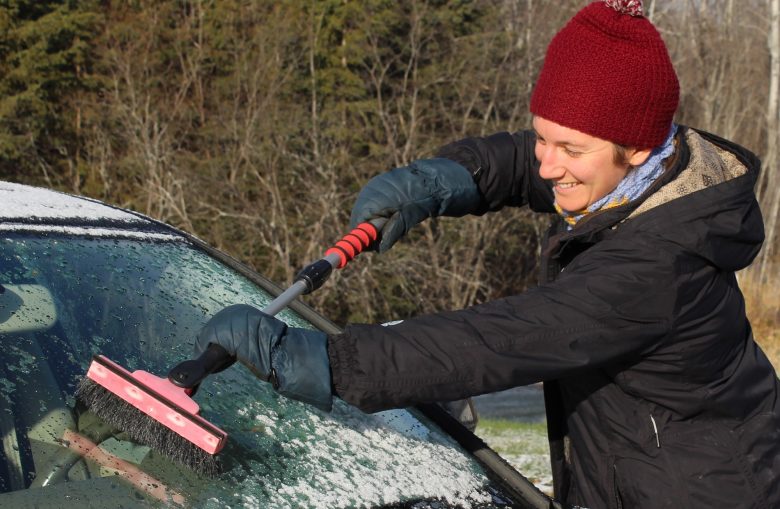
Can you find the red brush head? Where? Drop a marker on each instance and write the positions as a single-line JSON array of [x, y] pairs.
[[160, 400]]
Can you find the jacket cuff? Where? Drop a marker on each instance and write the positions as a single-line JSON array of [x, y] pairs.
[[341, 354]]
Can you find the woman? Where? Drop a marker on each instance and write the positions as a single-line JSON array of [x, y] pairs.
[[656, 393]]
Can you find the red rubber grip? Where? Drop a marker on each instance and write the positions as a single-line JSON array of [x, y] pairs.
[[353, 243]]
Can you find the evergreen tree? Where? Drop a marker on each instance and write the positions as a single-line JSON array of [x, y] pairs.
[[45, 62]]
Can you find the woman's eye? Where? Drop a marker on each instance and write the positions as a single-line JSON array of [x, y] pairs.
[[572, 153]]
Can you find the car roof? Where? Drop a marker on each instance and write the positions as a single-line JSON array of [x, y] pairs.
[[28, 208]]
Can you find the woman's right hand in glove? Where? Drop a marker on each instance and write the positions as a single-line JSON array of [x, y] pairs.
[[294, 360]]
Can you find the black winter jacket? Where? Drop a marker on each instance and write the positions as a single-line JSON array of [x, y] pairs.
[[656, 393]]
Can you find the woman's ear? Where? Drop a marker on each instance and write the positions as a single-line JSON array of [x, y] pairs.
[[638, 157]]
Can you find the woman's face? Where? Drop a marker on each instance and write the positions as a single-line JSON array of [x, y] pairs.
[[581, 168]]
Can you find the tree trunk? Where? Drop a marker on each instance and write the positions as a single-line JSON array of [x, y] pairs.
[[771, 195]]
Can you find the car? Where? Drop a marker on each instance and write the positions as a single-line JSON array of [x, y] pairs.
[[79, 277]]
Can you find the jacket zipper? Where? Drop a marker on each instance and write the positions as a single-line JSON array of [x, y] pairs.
[[655, 430]]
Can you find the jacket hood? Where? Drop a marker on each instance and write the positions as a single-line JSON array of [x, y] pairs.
[[710, 202]]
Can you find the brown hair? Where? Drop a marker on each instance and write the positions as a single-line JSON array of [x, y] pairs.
[[620, 154]]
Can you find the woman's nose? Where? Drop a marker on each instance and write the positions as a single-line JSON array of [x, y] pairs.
[[549, 167]]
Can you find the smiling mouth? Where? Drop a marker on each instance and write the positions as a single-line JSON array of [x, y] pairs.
[[566, 185]]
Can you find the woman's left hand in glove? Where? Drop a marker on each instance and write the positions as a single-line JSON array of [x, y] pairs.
[[294, 360]]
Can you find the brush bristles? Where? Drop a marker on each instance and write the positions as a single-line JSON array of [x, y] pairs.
[[144, 429]]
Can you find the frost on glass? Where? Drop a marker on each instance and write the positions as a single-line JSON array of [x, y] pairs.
[[141, 304]]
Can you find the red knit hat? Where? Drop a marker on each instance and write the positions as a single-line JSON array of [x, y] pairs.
[[608, 74]]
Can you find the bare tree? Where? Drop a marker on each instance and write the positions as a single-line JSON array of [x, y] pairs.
[[255, 124], [771, 196]]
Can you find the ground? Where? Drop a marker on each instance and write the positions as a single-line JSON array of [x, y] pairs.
[[523, 445]]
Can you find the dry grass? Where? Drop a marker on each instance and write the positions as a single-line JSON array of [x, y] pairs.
[[763, 309]]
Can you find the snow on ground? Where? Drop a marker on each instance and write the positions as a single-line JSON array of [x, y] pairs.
[[512, 422], [525, 448]]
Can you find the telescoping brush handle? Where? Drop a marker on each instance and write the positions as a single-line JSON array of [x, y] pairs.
[[189, 374], [314, 275]]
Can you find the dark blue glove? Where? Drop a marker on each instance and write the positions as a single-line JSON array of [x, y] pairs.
[[407, 195], [294, 360]]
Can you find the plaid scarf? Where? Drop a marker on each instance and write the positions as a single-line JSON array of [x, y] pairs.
[[632, 186]]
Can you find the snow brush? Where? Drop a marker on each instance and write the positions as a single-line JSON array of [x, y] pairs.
[[160, 412]]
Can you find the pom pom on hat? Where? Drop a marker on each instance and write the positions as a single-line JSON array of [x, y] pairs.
[[607, 73], [630, 7]]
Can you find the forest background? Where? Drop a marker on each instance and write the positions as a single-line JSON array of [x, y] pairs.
[[253, 124]]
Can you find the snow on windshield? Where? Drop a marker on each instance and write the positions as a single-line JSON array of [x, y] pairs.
[[18, 201], [348, 459]]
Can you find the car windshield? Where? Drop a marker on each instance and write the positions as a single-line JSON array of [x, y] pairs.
[[140, 302]]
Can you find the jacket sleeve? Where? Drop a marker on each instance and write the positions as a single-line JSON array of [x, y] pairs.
[[505, 169], [609, 308]]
